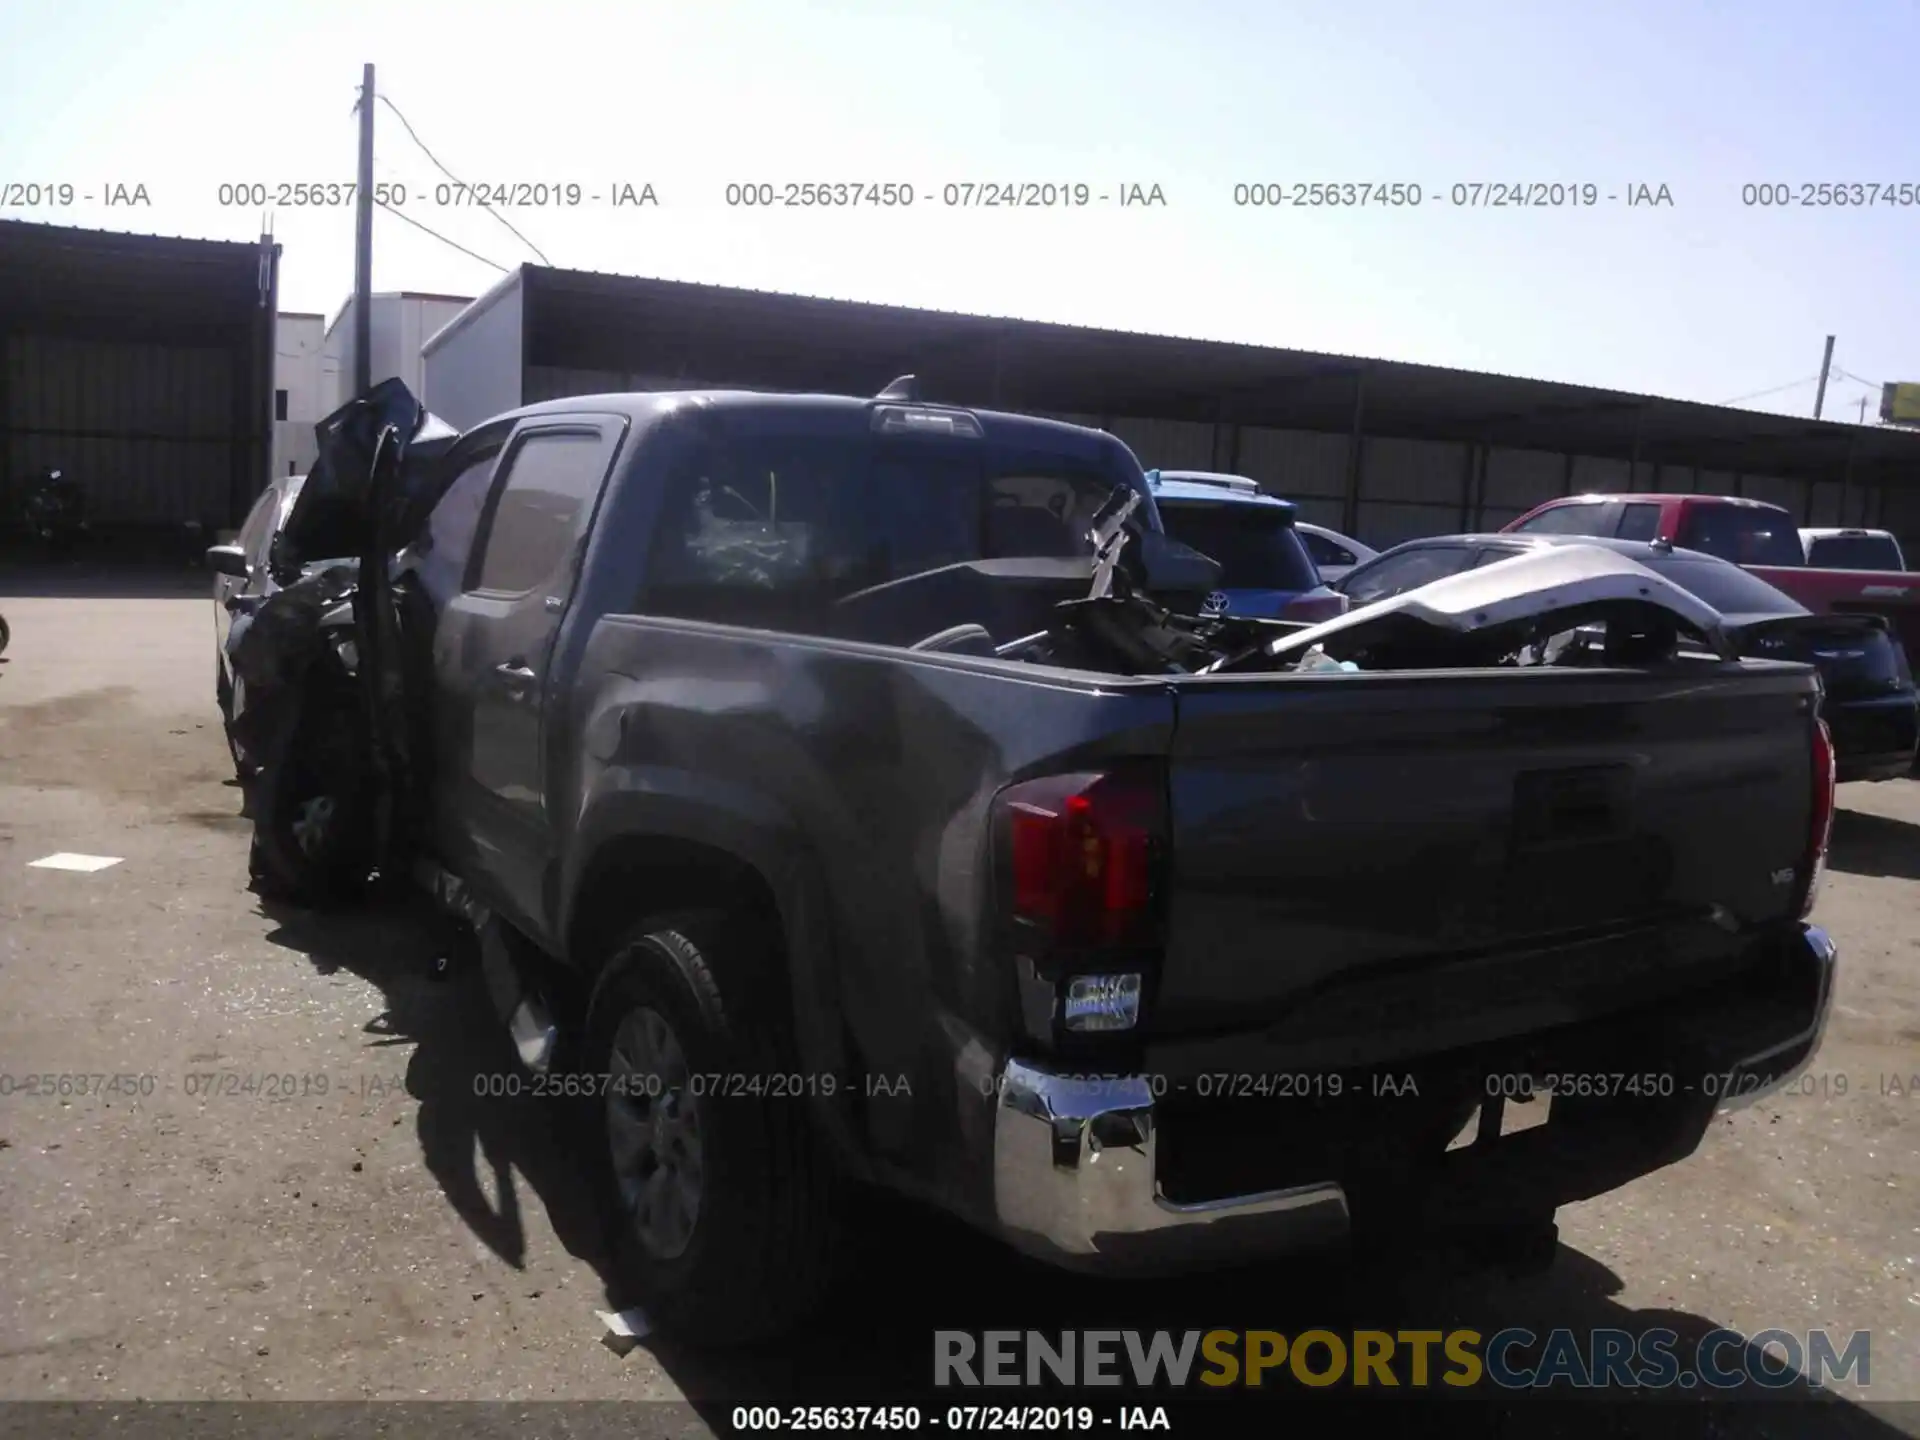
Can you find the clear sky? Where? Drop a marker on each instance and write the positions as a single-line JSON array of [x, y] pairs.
[[1707, 298]]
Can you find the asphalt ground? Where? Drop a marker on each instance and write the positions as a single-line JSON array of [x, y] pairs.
[[337, 1216]]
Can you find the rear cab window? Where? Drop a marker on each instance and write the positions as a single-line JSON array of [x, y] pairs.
[[1256, 546], [1855, 552], [770, 530], [1744, 534]]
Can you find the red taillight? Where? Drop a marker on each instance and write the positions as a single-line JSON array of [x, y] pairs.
[[1082, 852], [1820, 826], [1315, 606]]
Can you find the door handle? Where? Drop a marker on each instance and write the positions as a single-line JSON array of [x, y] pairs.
[[515, 670]]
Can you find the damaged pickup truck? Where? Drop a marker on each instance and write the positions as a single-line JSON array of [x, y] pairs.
[[853, 792]]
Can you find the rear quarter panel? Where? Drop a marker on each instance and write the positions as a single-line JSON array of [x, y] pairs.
[[857, 780]]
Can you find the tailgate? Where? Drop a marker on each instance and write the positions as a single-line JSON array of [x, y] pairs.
[[1894, 594], [1359, 852]]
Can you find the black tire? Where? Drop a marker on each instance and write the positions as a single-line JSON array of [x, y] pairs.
[[5, 634], [316, 759], [766, 1245]]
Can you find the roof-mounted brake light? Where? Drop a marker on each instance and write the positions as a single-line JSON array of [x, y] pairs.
[[1240, 484], [924, 420]]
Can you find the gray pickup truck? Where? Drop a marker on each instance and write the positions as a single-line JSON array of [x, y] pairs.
[[830, 792]]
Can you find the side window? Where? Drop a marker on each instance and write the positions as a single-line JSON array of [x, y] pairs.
[[1639, 522], [1491, 553], [446, 545], [1394, 574], [1325, 552], [1565, 520], [552, 478]]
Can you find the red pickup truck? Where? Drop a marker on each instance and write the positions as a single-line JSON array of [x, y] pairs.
[[1753, 534]]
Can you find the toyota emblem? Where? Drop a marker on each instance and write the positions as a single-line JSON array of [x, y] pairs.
[[1217, 603]]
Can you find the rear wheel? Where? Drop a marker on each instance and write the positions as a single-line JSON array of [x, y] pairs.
[[5, 634], [717, 1191]]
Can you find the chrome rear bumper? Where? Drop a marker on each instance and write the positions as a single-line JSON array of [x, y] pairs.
[[1075, 1180], [1775, 1065], [1075, 1184]]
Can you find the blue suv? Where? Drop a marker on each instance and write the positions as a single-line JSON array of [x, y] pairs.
[[1265, 569]]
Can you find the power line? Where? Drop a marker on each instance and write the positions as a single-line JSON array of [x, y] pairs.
[[400, 214], [1792, 385], [458, 181]]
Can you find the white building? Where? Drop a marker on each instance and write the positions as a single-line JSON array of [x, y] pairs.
[[402, 322], [305, 384], [313, 365]]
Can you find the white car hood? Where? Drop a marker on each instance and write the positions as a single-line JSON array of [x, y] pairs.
[[1525, 587]]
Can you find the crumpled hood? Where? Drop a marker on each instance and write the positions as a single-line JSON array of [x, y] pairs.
[[1527, 587], [333, 515]]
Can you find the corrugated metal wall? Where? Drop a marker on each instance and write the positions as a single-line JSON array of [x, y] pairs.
[[146, 429], [1407, 488], [1175, 444], [554, 382]]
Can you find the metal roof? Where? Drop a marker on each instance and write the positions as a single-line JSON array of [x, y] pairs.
[[62, 279], [591, 320]]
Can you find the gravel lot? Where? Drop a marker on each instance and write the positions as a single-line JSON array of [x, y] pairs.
[[399, 1238]]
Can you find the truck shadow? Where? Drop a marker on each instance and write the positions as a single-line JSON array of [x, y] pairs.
[[880, 1341], [472, 1117], [915, 1273], [1864, 843]]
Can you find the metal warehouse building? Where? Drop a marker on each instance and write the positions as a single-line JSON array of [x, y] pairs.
[[142, 366], [1383, 450]]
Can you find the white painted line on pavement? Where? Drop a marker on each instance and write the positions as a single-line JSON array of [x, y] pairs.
[[66, 860]]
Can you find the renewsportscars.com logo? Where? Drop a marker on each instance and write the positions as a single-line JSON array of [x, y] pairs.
[[1512, 1359]]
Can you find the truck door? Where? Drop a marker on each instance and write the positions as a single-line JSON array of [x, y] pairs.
[[492, 648]]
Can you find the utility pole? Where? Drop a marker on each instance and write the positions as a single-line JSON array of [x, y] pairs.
[[1826, 360], [1863, 409], [363, 248]]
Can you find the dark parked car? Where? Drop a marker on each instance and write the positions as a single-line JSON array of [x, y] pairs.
[[243, 577], [844, 812], [1870, 704]]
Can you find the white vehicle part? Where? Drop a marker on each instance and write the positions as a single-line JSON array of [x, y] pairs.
[[1525, 587]]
